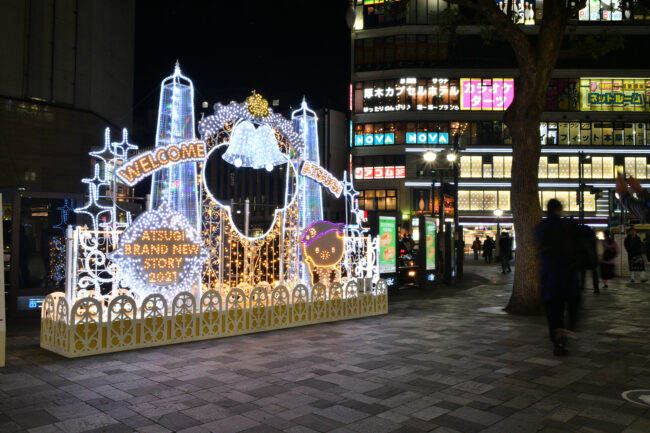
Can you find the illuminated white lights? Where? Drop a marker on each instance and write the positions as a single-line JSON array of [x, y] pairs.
[[289, 198], [161, 252], [176, 184], [211, 125], [451, 157], [252, 146], [429, 156], [498, 213]]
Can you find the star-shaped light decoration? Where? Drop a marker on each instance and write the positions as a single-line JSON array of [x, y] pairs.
[[161, 252], [92, 208], [65, 215]]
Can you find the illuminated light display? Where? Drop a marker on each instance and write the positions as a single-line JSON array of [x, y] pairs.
[[306, 123], [255, 147], [322, 176], [141, 166], [257, 106], [158, 280], [323, 248], [114, 154], [176, 184], [160, 253], [486, 94]]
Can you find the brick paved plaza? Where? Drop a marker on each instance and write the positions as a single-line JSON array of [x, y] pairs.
[[440, 361]]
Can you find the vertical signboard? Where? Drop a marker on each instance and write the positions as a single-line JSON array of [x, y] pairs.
[[387, 244], [430, 233]]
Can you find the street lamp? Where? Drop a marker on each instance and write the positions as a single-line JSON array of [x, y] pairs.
[[451, 157], [429, 156], [497, 213]]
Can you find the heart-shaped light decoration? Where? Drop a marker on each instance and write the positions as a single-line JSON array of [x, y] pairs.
[[253, 147]]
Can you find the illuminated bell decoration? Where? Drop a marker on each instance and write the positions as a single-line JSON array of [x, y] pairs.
[[257, 106], [253, 147]]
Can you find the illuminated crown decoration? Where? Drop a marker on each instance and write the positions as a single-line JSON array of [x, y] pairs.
[[257, 106]]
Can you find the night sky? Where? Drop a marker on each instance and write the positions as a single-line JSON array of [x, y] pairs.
[[283, 49]]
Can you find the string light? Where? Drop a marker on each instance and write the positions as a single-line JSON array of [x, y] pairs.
[[165, 261], [253, 147]]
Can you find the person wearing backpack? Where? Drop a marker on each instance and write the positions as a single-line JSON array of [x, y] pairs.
[[560, 261], [634, 247], [608, 260]]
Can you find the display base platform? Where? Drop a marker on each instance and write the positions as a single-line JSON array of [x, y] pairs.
[[91, 328]]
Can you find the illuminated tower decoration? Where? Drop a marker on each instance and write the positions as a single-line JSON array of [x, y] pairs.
[[177, 184], [311, 200]]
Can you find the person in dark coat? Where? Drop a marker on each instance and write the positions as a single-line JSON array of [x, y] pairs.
[[608, 260], [590, 248], [476, 247], [558, 243], [488, 247], [635, 249], [505, 252]]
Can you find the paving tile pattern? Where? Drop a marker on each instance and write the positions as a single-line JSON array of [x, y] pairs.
[[434, 363]]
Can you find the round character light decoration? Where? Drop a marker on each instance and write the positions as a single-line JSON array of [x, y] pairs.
[[160, 253], [322, 249]]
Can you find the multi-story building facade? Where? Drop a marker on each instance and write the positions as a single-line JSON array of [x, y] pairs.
[[415, 86]]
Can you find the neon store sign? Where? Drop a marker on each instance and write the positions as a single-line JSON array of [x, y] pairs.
[[614, 94], [427, 138], [396, 172], [486, 94], [374, 139], [439, 94]]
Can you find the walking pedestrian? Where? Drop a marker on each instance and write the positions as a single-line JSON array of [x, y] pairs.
[[505, 251], [558, 243], [590, 248], [488, 247], [608, 260], [635, 250], [476, 247]]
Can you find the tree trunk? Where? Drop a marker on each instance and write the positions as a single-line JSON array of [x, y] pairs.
[[524, 199]]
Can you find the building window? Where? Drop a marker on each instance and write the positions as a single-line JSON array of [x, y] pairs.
[[483, 200], [378, 199]]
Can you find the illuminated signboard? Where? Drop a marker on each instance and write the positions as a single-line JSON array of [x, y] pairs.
[[430, 240], [610, 10], [396, 172], [374, 139], [427, 138], [410, 94], [615, 94], [387, 244], [160, 252], [486, 94], [141, 166], [322, 176]]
